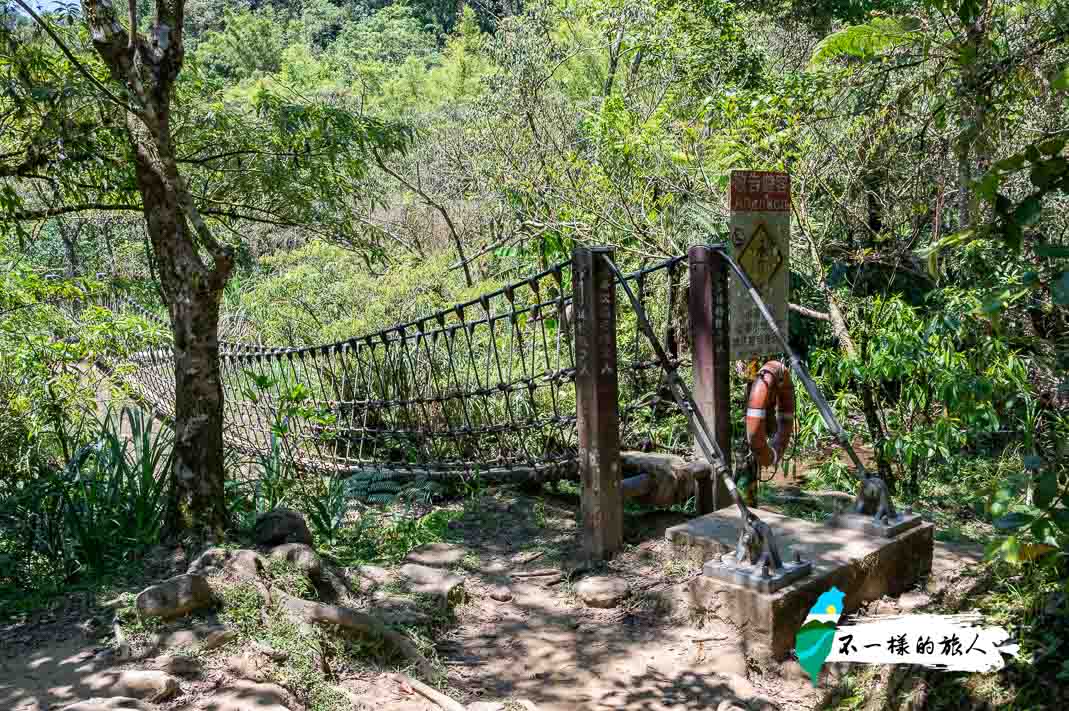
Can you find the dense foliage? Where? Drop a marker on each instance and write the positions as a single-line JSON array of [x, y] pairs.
[[371, 161]]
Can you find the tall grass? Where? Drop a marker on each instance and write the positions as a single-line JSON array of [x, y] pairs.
[[106, 503]]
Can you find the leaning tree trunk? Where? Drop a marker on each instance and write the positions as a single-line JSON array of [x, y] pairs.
[[198, 449]]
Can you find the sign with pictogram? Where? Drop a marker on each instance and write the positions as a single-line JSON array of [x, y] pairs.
[[760, 233]]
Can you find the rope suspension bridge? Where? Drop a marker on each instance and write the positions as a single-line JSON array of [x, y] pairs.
[[542, 379], [485, 386]]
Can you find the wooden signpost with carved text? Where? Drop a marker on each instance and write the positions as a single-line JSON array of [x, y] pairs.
[[761, 233]]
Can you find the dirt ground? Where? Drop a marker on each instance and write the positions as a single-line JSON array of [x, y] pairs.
[[544, 645]]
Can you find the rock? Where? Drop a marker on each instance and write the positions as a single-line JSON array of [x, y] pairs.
[[209, 562], [174, 597], [247, 696], [396, 610], [271, 653], [729, 705], [486, 706], [437, 555], [434, 581], [602, 591], [910, 601], [152, 685], [281, 526], [302, 556], [205, 636], [177, 664], [115, 703], [366, 578], [240, 563], [253, 667], [501, 593]]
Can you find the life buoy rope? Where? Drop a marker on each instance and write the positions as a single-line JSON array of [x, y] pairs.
[[771, 400]]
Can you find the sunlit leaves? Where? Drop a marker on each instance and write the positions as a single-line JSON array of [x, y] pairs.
[[867, 40]]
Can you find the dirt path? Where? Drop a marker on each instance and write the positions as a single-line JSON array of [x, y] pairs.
[[543, 644]]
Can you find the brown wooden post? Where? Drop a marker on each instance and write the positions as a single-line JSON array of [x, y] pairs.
[[597, 413], [708, 311]]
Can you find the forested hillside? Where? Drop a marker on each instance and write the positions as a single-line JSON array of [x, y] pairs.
[[298, 172]]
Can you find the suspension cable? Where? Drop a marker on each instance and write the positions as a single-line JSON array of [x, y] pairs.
[[841, 435], [699, 428]]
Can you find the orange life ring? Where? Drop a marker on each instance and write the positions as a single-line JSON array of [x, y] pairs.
[[772, 396]]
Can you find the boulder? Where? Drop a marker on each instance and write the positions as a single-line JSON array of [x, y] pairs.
[[437, 555], [501, 593], [302, 556], [368, 578], [149, 684], [433, 581], [241, 563], [174, 597], [911, 601], [281, 526], [602, 591]]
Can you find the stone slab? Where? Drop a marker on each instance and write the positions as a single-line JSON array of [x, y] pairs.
[[864, 567], [749, 576], [865, 523]]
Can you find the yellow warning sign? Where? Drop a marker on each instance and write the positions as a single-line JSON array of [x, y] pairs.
[[761, 235], [761, 257]]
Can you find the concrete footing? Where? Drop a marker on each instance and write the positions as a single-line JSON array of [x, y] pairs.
[[863, 566]]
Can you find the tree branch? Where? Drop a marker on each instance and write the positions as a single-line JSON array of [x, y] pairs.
[[74, 60], [31, 215], [427, 198], [809, 313]]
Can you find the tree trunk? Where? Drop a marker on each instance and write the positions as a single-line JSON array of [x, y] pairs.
[[192, 291], [198, 499]]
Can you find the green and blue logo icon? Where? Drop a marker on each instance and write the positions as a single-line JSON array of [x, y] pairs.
[[814, 640]]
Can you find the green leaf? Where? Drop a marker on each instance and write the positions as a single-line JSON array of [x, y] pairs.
[[1046, 489], [1012, 521], [1032, 462], [1052, 251], [868, 40], [968, 11], [1010, 164], [1051, 146], [1060, 290], [1028, 212], [1060, 81]]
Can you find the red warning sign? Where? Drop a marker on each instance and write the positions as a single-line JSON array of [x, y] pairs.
[[760, 191]]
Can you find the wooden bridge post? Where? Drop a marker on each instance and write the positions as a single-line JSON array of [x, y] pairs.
[[709, 320], [597, 410]]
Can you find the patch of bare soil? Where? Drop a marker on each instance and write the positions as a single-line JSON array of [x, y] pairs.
[[520, 636]]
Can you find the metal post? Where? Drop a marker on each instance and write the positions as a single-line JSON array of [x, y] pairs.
[[597, 414], [708, 311]]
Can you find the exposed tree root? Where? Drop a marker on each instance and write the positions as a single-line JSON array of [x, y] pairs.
[[355, 621], [427, 692]]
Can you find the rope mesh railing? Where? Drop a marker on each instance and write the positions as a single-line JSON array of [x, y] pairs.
[[483, 386], [647, 414]]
